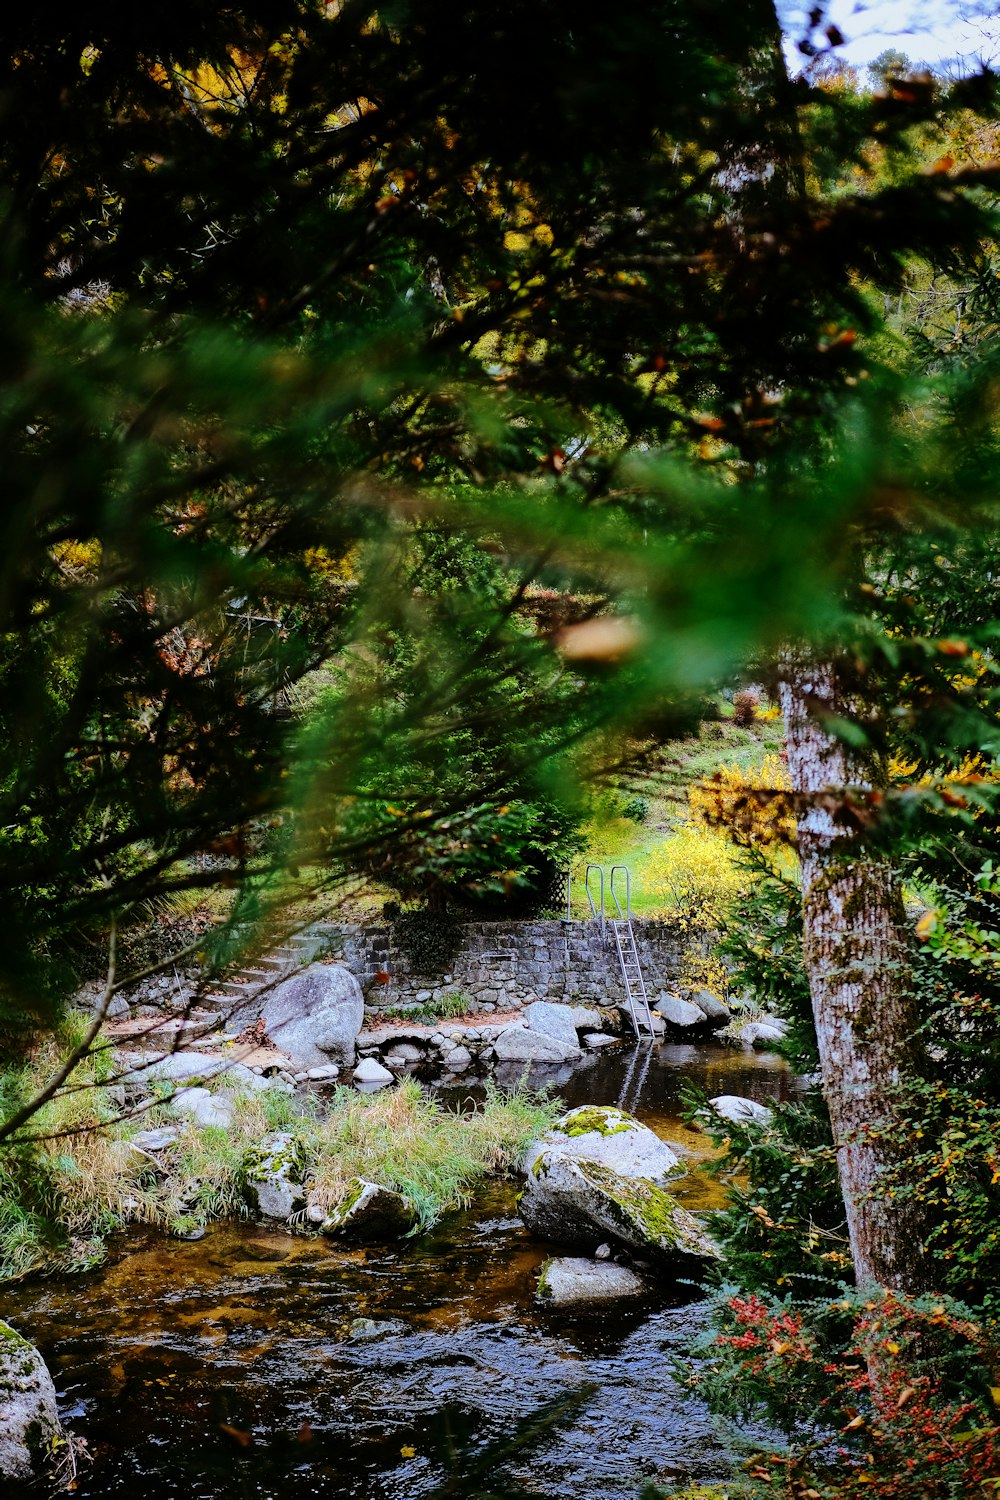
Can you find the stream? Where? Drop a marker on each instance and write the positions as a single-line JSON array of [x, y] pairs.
[[254, 1363]]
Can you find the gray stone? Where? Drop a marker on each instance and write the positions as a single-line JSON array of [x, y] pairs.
[[551, 1020], [711, 1006], [371, 1071], [735, 1107], [515, 1043], [274, 1176], [679, 1014], [314, 1016], [597, 1039], [202, 1107], [320, 1075], [404, 1055], [369, 1213], [155, 1140], [610, 1137], [189, 1067], [757, 1034], [457, 1059], [28, 1418], [588, 1018], [571, 1281], [584, 1203]]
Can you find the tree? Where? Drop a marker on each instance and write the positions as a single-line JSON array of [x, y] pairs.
[[287, 286]]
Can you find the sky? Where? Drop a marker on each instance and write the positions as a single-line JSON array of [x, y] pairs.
[[928, 31]]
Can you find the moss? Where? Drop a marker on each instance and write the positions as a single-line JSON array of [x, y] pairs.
[[544, 1289], [355, 1191], [640, 1203], [596, 1119], [288, 1160]]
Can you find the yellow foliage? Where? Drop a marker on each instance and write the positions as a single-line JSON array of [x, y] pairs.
[[695, 875], [753, 807], [319, 560]]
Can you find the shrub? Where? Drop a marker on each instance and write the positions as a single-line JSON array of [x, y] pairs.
[[896, 1389], [745, 705]]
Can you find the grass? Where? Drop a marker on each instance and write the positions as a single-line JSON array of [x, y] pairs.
[[613, 839], [446, 1007], [408, 1142], [61, 1197]]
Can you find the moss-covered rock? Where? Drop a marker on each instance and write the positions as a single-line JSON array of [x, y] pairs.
[[29, 1423], [275, 1173], [601, 1133], [369, 1213], [581, 1203]]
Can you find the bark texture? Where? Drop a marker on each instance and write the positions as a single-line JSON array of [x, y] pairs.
[[855, 956]]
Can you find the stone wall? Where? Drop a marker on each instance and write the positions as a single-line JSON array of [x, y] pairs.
[[504, 965]]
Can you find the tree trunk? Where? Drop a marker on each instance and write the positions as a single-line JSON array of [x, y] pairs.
[[854, 947]]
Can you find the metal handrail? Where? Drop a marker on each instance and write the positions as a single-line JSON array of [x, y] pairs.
[[626, 915], [595, 911]]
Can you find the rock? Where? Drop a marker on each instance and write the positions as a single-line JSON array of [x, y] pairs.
[[550, 1019], [369, 1213], [568, 1281], [371, 1071], [28, 1418], [404, 1055], [711, 1006], [457, 1060], [188, 1067], [610, 1137], [202, 1107], [314, 1016], [735, 1107], [274, 1176], [588, 1018], [757, 1034], [603, 1252], [583, 1203], [516, 1043], [321, 1075], [155, 1140], [597, 1039], [680, 1015]]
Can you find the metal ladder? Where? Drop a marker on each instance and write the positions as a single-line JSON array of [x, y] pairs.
[[624, 939], [628, 957]]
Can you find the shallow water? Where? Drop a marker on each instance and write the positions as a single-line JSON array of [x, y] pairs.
[[256, 1363]]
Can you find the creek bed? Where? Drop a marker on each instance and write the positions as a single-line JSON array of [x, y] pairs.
[[254, 1363]]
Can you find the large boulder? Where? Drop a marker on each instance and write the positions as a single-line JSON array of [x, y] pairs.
[[550, 1019], [29, 1423], [572, 1281], [518, 1043], [680, 1015], [610, 1137], [314, 1016], [275, 1174], [583, 1203], [599, 1174], [711, 1006], [369, 1214]]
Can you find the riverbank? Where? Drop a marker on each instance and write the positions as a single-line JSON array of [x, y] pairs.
[[412, 1366]]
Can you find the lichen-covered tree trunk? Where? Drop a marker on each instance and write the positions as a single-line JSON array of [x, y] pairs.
[[855, 955]]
